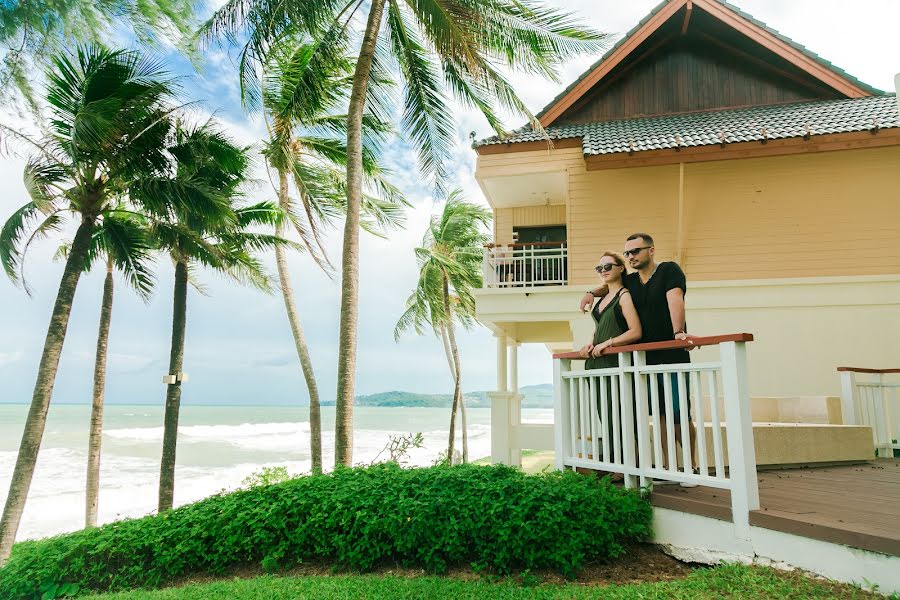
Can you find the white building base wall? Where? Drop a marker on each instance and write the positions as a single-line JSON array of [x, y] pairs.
[[694, 538]]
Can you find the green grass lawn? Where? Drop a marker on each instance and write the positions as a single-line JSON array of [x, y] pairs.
[[729, 581]]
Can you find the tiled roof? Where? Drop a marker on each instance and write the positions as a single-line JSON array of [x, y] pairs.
[[729, 126], [737, 11]]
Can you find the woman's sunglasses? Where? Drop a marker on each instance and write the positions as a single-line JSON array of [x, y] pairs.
[[605, 267]]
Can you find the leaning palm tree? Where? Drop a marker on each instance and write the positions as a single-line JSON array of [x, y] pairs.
[[109, 117], [449, 262], [300, 93], [206, 173], [120, 242], [434, 45]]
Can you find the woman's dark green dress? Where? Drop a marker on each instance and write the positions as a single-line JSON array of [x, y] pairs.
[[609, 323]]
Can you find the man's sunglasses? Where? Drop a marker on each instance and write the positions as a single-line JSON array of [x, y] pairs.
[[635, 251], [605, 267]]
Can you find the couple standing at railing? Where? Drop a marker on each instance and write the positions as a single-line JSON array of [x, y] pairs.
[[646, 305]]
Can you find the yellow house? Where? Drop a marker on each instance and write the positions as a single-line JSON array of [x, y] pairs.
[[773, 178], [769, 174]]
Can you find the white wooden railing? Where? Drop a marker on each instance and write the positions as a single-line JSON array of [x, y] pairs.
[[870, 397], [525, 265], [608, 419]]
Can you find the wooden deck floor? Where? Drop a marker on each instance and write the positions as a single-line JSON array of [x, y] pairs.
[[854, 505]]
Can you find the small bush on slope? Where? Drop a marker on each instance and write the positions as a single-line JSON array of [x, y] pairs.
[[495, 517]]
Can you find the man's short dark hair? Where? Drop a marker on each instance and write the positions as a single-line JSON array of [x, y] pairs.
[[641, 236]]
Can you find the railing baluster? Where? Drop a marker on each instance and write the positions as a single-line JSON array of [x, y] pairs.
[[583, 421], [684, 418], [604, 416], [697, 403], [672, 457], [595, 418], [617, 420], [573, 416], [658, 459], [716, 423]]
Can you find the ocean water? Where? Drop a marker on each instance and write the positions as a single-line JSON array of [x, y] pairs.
[[217, 448]]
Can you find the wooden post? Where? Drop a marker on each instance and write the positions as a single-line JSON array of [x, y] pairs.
[[643, 417], [739, 434], [880, 426], [561, 438], [848, 398], [679, 241], [626, 397]]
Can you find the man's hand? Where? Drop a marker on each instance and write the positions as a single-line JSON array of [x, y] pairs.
[[587, 301], [585, 351], [683, 336]]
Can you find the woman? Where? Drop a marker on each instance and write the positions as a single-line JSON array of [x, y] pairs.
[[616, 324], [615, 317]]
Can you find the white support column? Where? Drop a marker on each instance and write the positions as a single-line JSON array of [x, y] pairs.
[[848, 398], [500, 401], [561, 437], [514, 367], [739, 436], [501, 363], [515, 406]]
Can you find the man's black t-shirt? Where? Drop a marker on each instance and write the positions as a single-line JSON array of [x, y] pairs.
[[653, 309]]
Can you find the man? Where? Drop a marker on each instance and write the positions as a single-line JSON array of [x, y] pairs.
[[657, 290]]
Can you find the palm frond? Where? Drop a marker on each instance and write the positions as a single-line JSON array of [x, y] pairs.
[[426, 116]]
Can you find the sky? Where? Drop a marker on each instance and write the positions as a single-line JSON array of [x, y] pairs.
[[238, 345]]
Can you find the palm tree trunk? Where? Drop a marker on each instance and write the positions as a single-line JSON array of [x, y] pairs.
[[95, 436], [43, 389], [346, 375], [173, 390], [315, 413], [465, 427], [457, 383]]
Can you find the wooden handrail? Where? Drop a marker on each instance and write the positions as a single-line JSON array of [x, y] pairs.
[[691, 342], [526, 244], [864, 370]]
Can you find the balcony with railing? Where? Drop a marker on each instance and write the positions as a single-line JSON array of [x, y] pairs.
[[525, 265]]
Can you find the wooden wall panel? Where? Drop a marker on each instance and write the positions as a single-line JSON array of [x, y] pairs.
[[688, 75], [605, 207], [829, 214], [528, 216]]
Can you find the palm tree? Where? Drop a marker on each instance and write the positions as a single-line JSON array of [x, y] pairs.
[[32, 31], [434, 44], [206, 174], [119, 242], [449, 262], [300, 92], [109, 116]]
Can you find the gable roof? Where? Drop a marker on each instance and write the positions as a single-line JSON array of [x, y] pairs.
[[814, 64], [707, 128]]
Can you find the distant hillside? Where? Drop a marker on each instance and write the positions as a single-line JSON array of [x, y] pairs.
[[534, 396]]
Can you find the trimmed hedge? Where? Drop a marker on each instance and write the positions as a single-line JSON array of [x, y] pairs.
[[496, 518]]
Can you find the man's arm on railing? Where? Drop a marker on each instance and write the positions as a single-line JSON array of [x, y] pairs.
[[587, 301]]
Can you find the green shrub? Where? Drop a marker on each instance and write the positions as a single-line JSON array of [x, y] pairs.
[[495, 518]]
